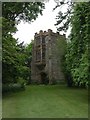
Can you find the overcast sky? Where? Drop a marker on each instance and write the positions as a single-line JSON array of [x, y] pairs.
[[26, 31]]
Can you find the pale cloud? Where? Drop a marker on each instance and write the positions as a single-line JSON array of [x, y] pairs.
[[26, 31]]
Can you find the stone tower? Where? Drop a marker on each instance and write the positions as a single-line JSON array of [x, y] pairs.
[[45, 67]]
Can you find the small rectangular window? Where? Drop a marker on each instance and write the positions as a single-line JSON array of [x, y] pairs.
[[43, 52], [43, 39], [38, 55]]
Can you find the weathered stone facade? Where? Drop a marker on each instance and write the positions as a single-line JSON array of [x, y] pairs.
[[45, 67]]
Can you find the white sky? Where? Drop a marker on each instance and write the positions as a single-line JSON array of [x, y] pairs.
[[26, 31]]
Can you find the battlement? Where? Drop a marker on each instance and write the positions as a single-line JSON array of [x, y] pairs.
[[48, 32], [41, 31]]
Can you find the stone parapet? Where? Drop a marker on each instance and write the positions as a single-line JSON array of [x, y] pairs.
[[48, 32]]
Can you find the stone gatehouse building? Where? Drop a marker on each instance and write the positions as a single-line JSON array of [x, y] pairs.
[[45, 65]]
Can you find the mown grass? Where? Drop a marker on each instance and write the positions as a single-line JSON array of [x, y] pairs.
[[51, 101]]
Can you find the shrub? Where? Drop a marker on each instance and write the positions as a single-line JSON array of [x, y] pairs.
[[22, 82], [15, 87]]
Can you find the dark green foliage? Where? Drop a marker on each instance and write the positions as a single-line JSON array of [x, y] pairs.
[[77, 57], [16, 56], [77, 49], [16, 11], [28, 53], [9, 54], [12, 87], [15, 61], [68, 78]]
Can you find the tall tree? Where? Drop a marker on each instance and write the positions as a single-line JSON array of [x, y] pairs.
[[14, 54], [77, 51], [63, 19], [77, 65], [27, 11], [28, 53]]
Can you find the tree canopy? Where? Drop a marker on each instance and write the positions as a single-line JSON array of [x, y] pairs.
[[63, 19], [27, 11], [77, 64], [16, 56]]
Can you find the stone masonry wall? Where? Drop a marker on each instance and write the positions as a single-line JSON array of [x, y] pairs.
[[51, 67]]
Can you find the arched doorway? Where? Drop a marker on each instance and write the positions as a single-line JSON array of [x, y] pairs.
[[44, 78]]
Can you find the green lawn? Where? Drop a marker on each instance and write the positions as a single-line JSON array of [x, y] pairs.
[[40, 101]]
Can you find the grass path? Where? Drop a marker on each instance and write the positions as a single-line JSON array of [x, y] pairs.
[[46, 102]]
